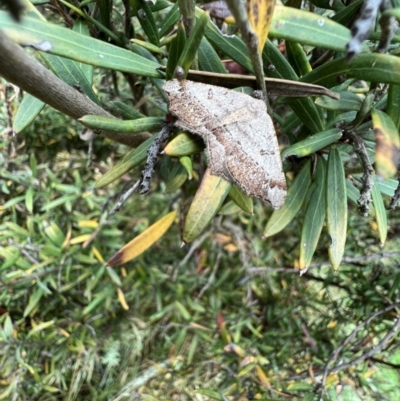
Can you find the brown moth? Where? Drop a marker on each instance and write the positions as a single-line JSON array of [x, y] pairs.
[[240, 138]]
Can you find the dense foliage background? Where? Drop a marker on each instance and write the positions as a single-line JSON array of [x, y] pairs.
[[226, 316]]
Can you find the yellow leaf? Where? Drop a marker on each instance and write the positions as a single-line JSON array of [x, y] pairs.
[[97, 254], [260, 16], [263, 377], [387, 144], [79, 239], [88, 224], [143, 241], [122, 300], [208, 200]]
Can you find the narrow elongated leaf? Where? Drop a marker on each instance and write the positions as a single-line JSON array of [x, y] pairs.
[[170, 20], [69, 44], [209, 59], [260, 17], [143, 241], [130, 161], [208, 199], [374, 67], [142, 11], [298, 58], [387, 144], [344, 16], [123, 126], [183, 145], [276, 66], [314, 217], [348, 101], [231, 45], [336, 207], [393, 104], [242, 200], [312, 144], [186, 162], [29, 108], [294, 200], [81, 27], [192, 44], [175, 51], [380, 213], [308, 28], [69, 72], [176, 179]]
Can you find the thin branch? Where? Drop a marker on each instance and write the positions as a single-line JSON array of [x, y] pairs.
[[124, 197], [152, 156], [250, 38], [365, 194], [187, 9], [389, 26], [362, 27], [19, 68], [263, 270], [211, 278], [396, 196], [368, 354]]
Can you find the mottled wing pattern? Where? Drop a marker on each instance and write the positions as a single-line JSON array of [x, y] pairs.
[[240, 138]]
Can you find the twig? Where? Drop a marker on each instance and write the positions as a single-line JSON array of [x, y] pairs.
[[366, 355], [187, 9], [152, 156], [124, 197], [389, 26], [365, 194], [362, 27], [396, 196], [211, 277], [240, 14], [262, 270]]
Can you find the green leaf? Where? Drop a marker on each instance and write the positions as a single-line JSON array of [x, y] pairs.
[[208, 200], [343, 17], [209, 59], [374, 67], [81, 27], [193, 42], [69, 72], [69, 44], [294, 200], [186, 162], [314, 217], [184, 144], [348, 101], [130, 161], [336, 207], [175, 51], [122, 126], [145, 16], [308, 28], [170, 20], [243, 201], [29, 108], [276, 66], [380, 213], [231, 45], [298, 58], [177, 178], [312, 144], [393, 104], [125, 111]]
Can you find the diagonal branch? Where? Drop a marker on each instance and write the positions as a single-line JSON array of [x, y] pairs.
[[24, 71]]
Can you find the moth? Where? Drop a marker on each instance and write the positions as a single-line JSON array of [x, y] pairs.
[[240, 138]]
